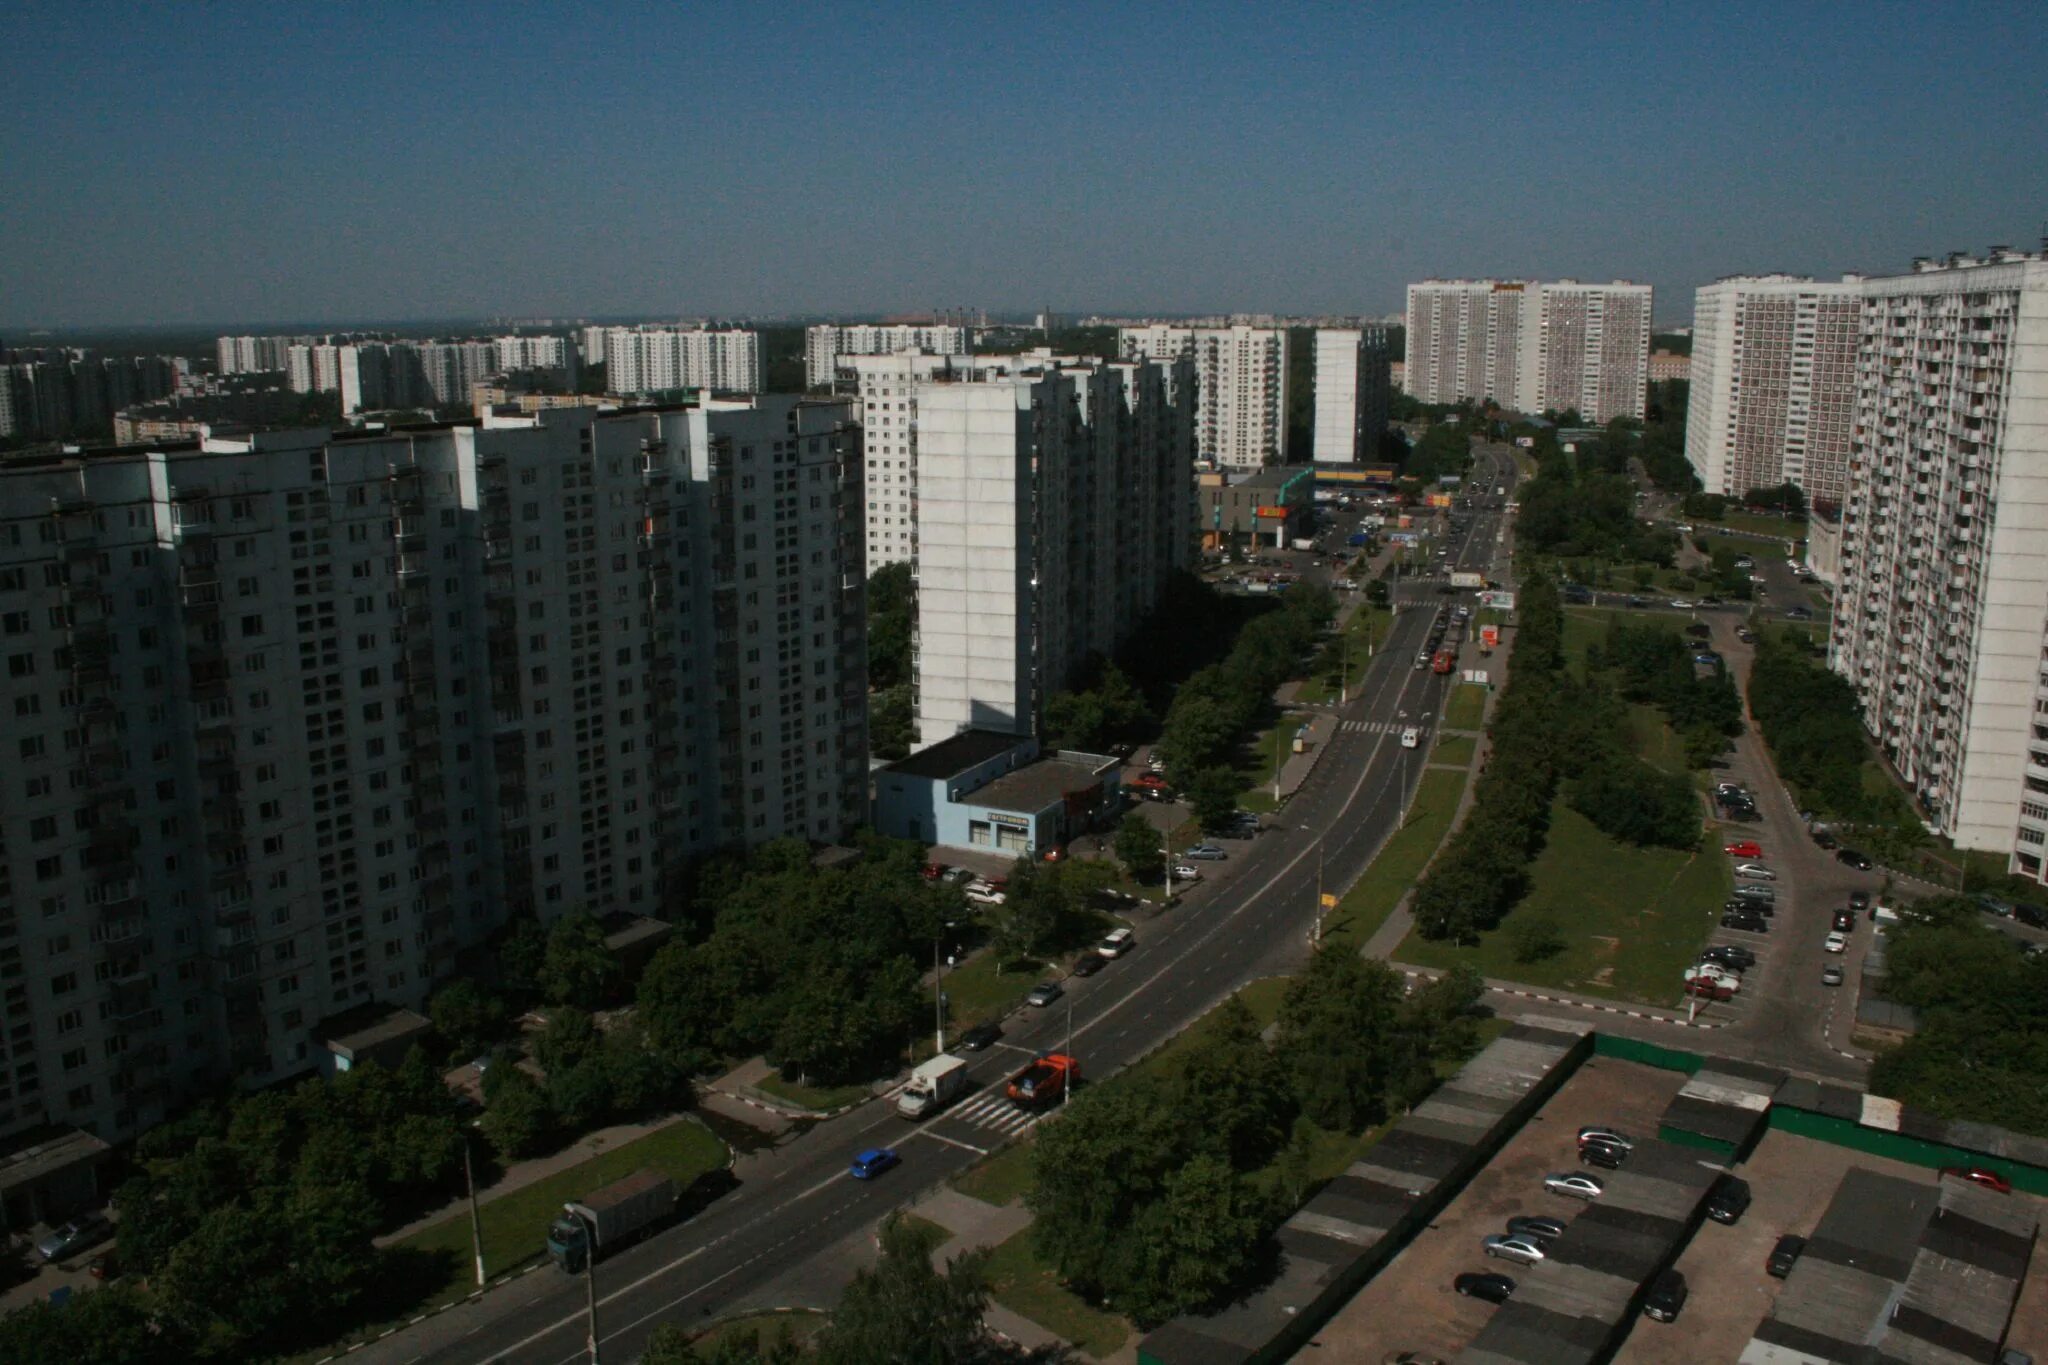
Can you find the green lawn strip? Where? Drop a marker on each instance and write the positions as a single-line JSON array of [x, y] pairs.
[[1655, 742], [977, 991], [1022, 1283], [1456, 751], [1365, 631], [820, 1097], [1465, 708], [760, 1329], [1395, 868], [1633, 919], [933, 1234], [998, 1179], [515, 1225], [1268, 752]]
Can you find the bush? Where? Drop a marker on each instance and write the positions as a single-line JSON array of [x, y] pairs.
[[1637, 804], [1535, 938]]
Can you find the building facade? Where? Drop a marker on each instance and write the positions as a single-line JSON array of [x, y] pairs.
[[1354, 389], [827, 342], [296, 718], [1773, 396], [1530, 346], [659, 359], [1941, 617], [1241, 382], [887, 387], [1052, 505]]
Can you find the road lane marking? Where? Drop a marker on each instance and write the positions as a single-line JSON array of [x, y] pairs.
[[950, 1142]]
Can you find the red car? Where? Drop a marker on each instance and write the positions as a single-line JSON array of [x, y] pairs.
[[1977, 1175], [1744, 849], [1149, 782]]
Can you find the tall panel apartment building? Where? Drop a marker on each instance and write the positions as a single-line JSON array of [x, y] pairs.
[[1773, 377], [657, 359], [1052, 505], [887, 387], [1353, 393], [1530, 346], [827, 342], [296, 717], [1241, 387], [1941, 617]]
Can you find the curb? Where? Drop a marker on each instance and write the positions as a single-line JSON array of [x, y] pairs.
[[1415, 975], [538, 1262], [782, 1112]]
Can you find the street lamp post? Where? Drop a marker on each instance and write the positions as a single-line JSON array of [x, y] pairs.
[[476, 1222], [589, 1227]]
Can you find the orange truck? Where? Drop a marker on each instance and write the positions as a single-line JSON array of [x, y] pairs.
[[1045, 1081]]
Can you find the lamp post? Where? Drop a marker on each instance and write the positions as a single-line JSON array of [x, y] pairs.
[[589, 1227], [476, 1222]]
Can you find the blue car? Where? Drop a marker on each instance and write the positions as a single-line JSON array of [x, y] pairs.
[[873, 1162]]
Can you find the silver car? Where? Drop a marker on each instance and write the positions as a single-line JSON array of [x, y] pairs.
[[76, 1235], [1521, 1250], [1755, 872]]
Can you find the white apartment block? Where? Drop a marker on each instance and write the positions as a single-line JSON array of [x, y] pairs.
[[1469, 339], [1353, 392], [1941, 617], [1053, 504], [887, 387], [656, 359], [1530, 346], [590, 344], [1241, 386], [255, 355], [1773, 376], [824, 344], [296, 718]]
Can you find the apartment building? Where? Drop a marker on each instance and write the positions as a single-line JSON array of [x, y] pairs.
[[1353, 393], [1939, 617], [657, 359], [826, 343], [887, 387], [1530, 346], [1052, 504], [1773, 396], [296, 717], [256, 355], [1241, 386]]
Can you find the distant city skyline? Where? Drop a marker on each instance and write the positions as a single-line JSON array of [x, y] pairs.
[[186, 165]]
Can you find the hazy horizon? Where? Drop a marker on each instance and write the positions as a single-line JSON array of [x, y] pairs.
[[206, 167]]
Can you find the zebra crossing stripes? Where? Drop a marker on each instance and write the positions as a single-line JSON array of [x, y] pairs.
[[992, 1110], [1381, 727]]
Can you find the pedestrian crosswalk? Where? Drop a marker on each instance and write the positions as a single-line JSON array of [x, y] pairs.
[[992, 1109], [1381, 727]]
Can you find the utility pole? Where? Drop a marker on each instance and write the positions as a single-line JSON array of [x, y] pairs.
[[589, 1227], [476, 1222], [1166, 851], [1067, 1086], [938, 996]]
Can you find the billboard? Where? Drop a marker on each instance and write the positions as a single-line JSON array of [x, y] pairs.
[[1280, 512], [1499, 601]]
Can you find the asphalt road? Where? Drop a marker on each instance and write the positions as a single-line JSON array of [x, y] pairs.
[[797, 1200]]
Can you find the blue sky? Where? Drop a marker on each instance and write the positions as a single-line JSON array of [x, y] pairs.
[[185, 163]]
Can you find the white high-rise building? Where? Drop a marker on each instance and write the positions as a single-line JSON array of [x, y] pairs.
[[1530, 346], [1241, 386], [1773, 376], [825, 343], [887, 387], [296, 718], [1353, 392], [655, 359], [1941, 616], [1052, 505], [255, 355]]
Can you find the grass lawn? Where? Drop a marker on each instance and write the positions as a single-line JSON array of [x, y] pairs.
[[1366, 630], [999, 1179], [1655, 742], [1365, 907], [813, 1096], [1632, 918], [1022, 1283], [1268, 752], [976, 991], [761, 1329], [1457, 750], [1465, 708], [1756, 523], [516, 1225]]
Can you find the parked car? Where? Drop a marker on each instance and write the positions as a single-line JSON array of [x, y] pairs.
[[1613, 1137], [1743, 848], [980, 1037], [1116, 943], [1044, 993], [1186, 872], [1666, 1298], [1728, 1200], [1748, 924], [1978, 1175], [105, 1266], [1784, 1256], [1575, 1186], [1608, 1158], [1823, 839], [1088, 964], [1731, 955], [1853, 858], [1835, 943], [1542, 1229], [872, 1162], [74, 1236], [1755, 872], [1210, 853], [985, 895], [1845, 920], [1491, 1288], [1521, 1250], [1680, 604]]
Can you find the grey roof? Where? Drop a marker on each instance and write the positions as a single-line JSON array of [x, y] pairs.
[[954, 755], [370, 1025], [1035, 786], [1726, 1100], [43, 1151], [1965, 1278]]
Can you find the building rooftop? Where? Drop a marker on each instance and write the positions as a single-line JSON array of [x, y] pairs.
[[368, 1026], [1037, 785], [951, 757], [30, 1156]]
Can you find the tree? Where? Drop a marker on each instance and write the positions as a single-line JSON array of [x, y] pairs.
[[522, 954], [468, 1017], [1535, 937], [1140, 848], [1703, 745], [1213, 793], [892, 722], [579, 969], [904, 1310], [892, 618], [1196, 1243], [517, 1121], [677, 1007], [1634, 802], [1336, 1030], [230, 1282], [1229, 1076], [109, 1326], [570, 1036]]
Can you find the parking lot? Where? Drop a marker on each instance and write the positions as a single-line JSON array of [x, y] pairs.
[[1410, 1306]]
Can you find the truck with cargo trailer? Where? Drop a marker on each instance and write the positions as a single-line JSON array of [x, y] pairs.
[[617, 1215], [1045, 1081], [934, 1085]]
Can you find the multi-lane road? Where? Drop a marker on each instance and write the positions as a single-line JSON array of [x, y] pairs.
[[796, 1202]]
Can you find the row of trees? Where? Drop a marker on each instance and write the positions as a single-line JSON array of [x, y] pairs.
[[1158, 1192], [1981, 1050], [1584, 504], [1484, 869], [1810, 717], [892, 621]]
